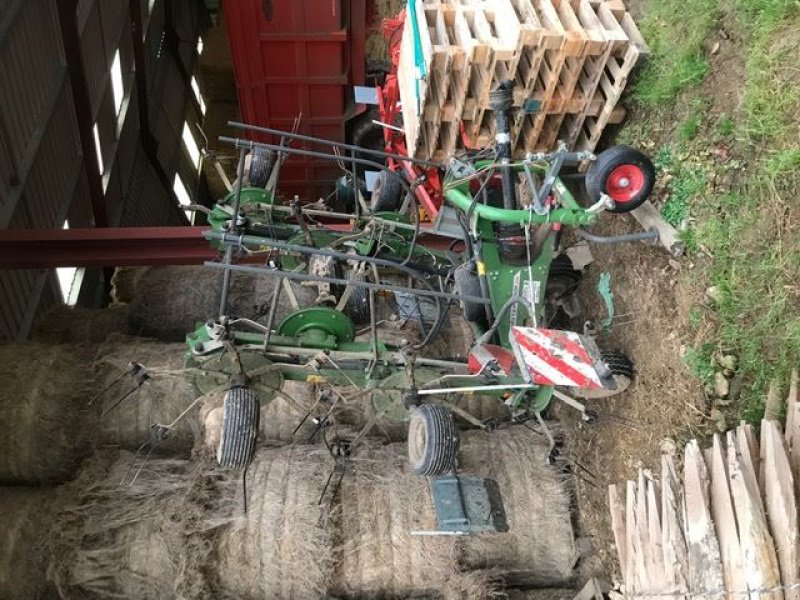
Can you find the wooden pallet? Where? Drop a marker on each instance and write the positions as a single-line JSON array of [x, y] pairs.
[[571, 57]]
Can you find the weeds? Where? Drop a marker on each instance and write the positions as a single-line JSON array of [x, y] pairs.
[[750, 225], [675, 32], [687, 183]]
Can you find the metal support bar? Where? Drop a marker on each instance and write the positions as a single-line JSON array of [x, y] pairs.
[[258, 270], [145, 132], [240, 143], [342, 145], [103, 247], [67, 14]]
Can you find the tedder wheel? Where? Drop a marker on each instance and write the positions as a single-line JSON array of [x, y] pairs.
[[357, 305], [432, 440], [240, 415], [621, 369], [387, 193], [562, 281], [625, 174], [260, 167], [469, 284]]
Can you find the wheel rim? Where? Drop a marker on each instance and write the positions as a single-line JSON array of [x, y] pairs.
[[625, 183], [417, 441], [623, 383]]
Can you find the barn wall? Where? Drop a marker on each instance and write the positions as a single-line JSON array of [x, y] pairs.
[[45, 178]]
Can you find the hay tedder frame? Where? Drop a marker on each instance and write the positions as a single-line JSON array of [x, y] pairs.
[[498, 258]]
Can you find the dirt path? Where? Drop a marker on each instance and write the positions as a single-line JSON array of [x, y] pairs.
[[651, 300]]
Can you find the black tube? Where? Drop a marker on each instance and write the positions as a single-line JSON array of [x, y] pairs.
[[241, 240], [258, 270], [643, 236], [501, 100], [322, 141], [239, 143]]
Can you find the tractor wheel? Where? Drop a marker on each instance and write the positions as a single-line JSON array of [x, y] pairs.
[[469, 284], [621, 369], [387, 193], [357, 305], [260, 167], [562, 281], [240, 415], [368, 135], [432, 440], [626, 175]]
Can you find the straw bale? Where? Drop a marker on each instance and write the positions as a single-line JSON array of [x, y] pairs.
[[42, 400], [168, 302], [124, 282], [75, 324], [539, 548], [159, 400], [125, 530], [23, 564], [282, 546], [381, 504]]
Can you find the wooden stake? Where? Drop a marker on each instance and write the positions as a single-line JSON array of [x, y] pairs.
[[705, 568], [781, 506], [725, 520], [758, 551]]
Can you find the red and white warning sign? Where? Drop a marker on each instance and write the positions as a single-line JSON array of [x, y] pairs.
[[555, 357]]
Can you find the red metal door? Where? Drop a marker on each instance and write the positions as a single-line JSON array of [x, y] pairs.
[[298, 58]]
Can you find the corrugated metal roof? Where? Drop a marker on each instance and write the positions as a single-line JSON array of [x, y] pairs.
[[31, 60]]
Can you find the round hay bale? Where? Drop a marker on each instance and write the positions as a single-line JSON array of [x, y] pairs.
[[168, 302], [539, 548], [282, 547], [75, 324], [43, 404], [163, 397], [123, 283], [23, 549], [381, 503], [128, 529]]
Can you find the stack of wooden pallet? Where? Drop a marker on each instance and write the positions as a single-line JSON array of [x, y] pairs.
[[570, 61], [728, 529]]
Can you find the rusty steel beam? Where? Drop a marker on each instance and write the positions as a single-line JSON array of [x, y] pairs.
[[103, 247], [125, 246]]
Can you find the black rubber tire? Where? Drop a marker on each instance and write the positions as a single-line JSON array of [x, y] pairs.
[[432, 440], [618, 363], [562, 280], [467, 283], [609, 160], [240, 416], [260, 167], [357, 305], [369, 135], [562, 265], [387, 193], [622, 370]]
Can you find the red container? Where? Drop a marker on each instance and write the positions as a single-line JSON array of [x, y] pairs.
[[295, 58]]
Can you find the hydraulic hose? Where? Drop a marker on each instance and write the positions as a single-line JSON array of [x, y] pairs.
[[501, 100]]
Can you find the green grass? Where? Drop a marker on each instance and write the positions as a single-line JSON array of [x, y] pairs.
[[690, 127], [725, 126], [675, 32], [686, 186], [770, 93], [743, 209]]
